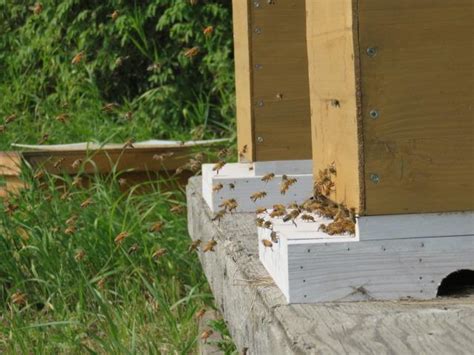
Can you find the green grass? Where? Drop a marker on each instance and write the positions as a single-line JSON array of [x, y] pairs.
[[83, 292]]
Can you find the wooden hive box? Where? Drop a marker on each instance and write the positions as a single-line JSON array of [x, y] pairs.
[[273, 109], [391, 98], [391, 94]]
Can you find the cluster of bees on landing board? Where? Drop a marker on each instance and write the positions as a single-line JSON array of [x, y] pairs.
[[343, 218]]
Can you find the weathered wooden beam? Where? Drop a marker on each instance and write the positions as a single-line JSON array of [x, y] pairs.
[[273, 118], [391, 97]]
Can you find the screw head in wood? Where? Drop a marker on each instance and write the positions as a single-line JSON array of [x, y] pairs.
[[259, 139], [256, 4], [258, 66], [257, 30], [372, 51], [260, 103], [374, 178], [374, 114]]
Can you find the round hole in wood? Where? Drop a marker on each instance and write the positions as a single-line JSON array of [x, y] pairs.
[[457, 284]]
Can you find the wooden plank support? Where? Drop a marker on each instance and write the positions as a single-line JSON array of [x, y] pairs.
[[391, 101], [271, 75], [239, 181]]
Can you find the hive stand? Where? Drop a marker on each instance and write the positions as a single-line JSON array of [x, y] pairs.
[[392, 110], [273, 109], [383, 261]]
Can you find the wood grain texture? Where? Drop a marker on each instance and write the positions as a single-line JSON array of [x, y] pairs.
[[334, 96], [281, 82], [260, 320], [375, 269], [243, 78], [422, 145], [273, 116]]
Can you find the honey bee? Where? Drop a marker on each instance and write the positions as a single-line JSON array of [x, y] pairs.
[[122, 182], [259, 222], [274, 237], [79, 57], [199, 157], [231, 186], [101, 283], [206, 334], [80, 255], [71, 220], [277, 213], [279, 206], [217, 187], [134, 248], [268, 225], [70, 230], [157, 227], [37, 8], [63, 117], [200, 313], [65, 195], [11, 118], [114, 15], [229, 205], [76, 163], [129, 144], [218, 166], [194, 245], [159, 253], [243, 151], [177, 209], [293, 205], [219, 215], [210, 245], [128, 115], [154, 67], [121, 237], [208, 31], [223, 153], [332, 168], [86, 203], [57, 164], [307, 218], [268, 177], [191, 52], [10, 208], [258, 195], [39, 175], [292, 216], [110, 107], [162, 156], [286, 183], [323, 228], [261, 210], [267, 243], [44, 138], [19, 298], [77, 181]]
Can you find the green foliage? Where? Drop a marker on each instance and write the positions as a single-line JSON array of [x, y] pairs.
[[109, 70], [134, 55], [83, 290]]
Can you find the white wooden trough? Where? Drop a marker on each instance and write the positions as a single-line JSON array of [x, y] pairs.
[[240, 180], [389, 258]]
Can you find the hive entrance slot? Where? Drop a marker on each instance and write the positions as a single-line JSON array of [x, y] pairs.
[[457, 284]]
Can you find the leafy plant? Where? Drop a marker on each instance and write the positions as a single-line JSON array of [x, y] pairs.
[[165, 66]]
